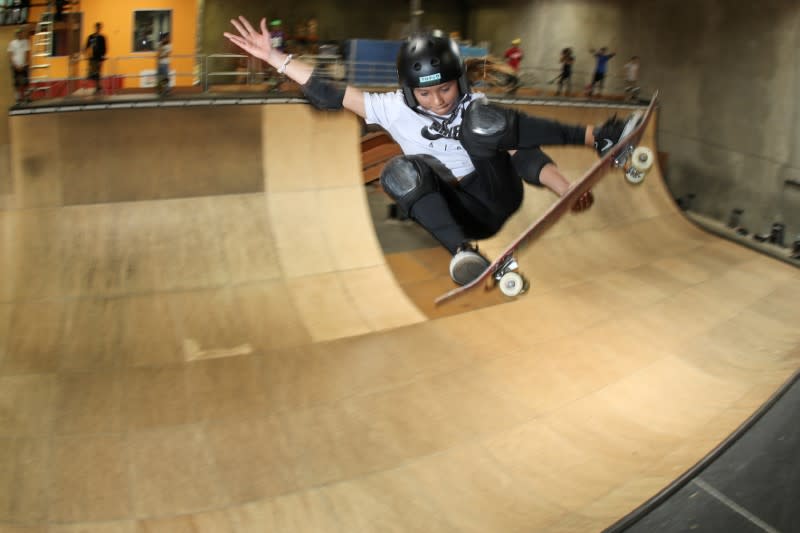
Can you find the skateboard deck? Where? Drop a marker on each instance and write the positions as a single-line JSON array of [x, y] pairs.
[[625, 154]]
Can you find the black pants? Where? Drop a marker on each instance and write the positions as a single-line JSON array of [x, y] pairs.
[[597, 81], [565, 79], [20, 77], [95, 65], [477, 206]]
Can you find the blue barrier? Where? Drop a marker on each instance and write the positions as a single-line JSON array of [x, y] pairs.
[[372, 61]]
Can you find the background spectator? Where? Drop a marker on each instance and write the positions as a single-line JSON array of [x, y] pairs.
[[632, 78], [96, 49], [514, 54], [601, 56], [19, 53]]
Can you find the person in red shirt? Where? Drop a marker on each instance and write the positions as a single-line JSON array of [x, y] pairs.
[[514, 55]]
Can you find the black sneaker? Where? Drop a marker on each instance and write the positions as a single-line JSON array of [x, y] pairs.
[[467, 264], [612, 131]]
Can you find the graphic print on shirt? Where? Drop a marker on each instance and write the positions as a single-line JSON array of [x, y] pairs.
[[439, 129]]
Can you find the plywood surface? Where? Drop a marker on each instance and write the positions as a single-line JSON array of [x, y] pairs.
[[249, 362]]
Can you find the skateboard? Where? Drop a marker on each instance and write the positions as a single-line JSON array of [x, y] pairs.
[[626, 154]]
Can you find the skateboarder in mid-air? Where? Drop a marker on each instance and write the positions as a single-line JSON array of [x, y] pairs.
[[465, 160]]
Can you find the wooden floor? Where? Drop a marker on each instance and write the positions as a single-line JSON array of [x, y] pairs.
[[247, 362]]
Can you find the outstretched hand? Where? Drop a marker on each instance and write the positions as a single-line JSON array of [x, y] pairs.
[[251, 41], [583, 202]]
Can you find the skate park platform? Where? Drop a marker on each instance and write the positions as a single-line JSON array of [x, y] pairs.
[[200, 331]]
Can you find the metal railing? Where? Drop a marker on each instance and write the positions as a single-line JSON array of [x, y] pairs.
[[147, 74], [206, 71]]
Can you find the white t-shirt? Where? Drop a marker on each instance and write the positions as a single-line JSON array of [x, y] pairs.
[[405, 125], [631, 71], [18, 49]]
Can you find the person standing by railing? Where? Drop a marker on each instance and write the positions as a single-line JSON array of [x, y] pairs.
[[565, 78], [278, 35], [19, 54], [164, 51], [602, 56], [632, 78], [96, 49]]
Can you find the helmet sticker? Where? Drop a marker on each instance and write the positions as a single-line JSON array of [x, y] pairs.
[[432, 77]]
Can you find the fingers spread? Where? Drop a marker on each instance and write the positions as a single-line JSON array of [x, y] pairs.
[[246, 23], [238, 27]]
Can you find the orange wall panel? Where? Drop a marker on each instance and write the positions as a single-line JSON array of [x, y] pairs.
[[117, 20]]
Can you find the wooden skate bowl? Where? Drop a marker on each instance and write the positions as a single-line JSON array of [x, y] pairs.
[[209, 339]]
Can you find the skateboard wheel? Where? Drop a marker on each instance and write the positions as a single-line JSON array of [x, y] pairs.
[[642, 159], [512, 284], [633, 176]]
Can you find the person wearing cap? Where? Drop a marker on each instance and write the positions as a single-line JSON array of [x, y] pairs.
[[465, 160], [277, 35], [514, 54], [19, 55]]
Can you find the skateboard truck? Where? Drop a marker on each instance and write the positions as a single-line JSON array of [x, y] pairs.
[[623, 156], [511, 282], [635, 160]]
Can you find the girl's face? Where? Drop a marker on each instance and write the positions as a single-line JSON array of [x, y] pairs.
[[439, 99]]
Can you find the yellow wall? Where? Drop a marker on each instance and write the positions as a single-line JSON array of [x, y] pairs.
[[117, 19]]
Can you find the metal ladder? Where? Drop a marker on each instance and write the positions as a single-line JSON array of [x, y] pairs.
[[43, 38], [42, 48]]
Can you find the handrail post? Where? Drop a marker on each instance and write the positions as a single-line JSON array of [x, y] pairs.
[[205, 73]]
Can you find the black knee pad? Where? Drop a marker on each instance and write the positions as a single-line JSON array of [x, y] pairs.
[[407, 179], [488, 128], [529, 163]]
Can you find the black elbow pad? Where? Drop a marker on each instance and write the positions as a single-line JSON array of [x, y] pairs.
[[324, 93]]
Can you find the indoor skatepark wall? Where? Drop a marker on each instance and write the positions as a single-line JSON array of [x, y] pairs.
[[245, 362], [99, 156], [727, 74], [311, 230]]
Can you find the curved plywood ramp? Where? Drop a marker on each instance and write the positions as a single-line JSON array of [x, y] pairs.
[[243, 360], [327, 249]]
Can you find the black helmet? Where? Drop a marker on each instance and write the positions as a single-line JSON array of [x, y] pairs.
[[427, 59]]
